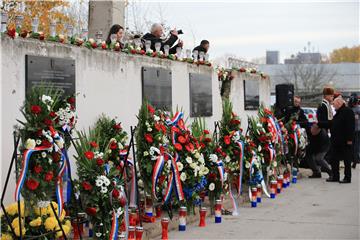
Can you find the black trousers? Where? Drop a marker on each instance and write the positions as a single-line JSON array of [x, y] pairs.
[[341, 153], [356, 147]]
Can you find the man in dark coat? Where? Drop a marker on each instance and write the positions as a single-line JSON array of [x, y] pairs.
[[342, 137], [203, 47], [155, 35], [297, 113]]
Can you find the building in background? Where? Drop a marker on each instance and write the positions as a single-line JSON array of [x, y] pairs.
[[272, 57], [304, 57]]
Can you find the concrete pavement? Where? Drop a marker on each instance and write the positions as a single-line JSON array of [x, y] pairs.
[[311, 209]]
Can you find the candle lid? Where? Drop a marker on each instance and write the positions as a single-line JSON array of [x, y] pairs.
[[203, 209], [165, 219], [218, 201], [139, 228], [183, 208], [131, 228]]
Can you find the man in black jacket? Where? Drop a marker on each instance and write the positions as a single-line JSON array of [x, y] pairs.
[[155, 35], [342, 136], [203, 47]]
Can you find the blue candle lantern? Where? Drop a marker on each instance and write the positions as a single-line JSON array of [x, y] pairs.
[[253, 197], [294, 175]]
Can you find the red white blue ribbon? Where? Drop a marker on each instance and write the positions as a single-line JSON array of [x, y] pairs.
[[159, 165], [175, 119], [114, 226], [220, 167], [174, 181], [272, 128]]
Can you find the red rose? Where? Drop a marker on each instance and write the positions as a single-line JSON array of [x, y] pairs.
[[49, 176], [99, 162], [94, 144], [227, 140], [178, 146], [46, 143], [94, 45], [32, 184], [148, 138], [91, 211], [89, 155], [150, 109], [117, 126], [207, 140], [122, 201], [189, 147], [115, 193], [87, 186], [35, 109], [181, 139], [52, 114], [242, 70], [113, 145], [212, 177], [235, 122], [47, 122], [38, 169], [206, 131], [142, 52], [71, 100]]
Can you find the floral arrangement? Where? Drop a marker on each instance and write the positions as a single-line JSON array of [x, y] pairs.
[[152, 152], [297, 141], [188, 163], [34, 222], [44, 159], [100, 161], [231, 144]]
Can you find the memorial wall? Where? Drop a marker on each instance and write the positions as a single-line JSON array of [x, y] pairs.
[[115, 84]]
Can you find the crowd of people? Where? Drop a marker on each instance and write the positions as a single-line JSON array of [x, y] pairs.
[[156, 35], [334, 137]]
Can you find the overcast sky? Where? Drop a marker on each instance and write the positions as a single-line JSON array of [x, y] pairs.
[[249, 28]]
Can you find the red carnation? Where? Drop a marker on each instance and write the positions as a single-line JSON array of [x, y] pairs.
[[94, 144], [175, 129], [212, 177], [115, 193], [46, 143], [87, 186], [235, 122], [133, 51], [189, 147], [32, 184], [89, 155], [122, 201], [99, 162], [91, 211], [52, 114], [178, 146], [35, 109], [206, 131], [181, 139], [47, 122], [150, 109], [117, 126], [207, 140], [113, 145], [148, 138], [227, 140], [38, 169], [49, 176], [71, 100]]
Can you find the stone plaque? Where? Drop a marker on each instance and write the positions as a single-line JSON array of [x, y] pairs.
[[251, 94], [60, 72], [157, 87], [200, 95]]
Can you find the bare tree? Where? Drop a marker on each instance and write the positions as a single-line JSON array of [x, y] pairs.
[[307, 78]]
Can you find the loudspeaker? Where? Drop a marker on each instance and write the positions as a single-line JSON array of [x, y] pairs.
[[284, 95]]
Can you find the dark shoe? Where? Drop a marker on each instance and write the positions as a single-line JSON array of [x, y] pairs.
[[345, 181], [315, 175], [354, 165], [331, 179]]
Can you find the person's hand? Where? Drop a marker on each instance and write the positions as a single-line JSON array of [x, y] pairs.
[[181, 43], [349, 142], [174, 32]]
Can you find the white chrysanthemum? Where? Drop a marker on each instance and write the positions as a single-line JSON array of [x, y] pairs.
[[43, 154], [193, 165], [46, 99], [247, 165], [188, 160], [30, 143], [146, 153], [211, 186], [99, 182], [104, 190], [180, 166], [183, 176], [149, 129], [156, 118], [227, 159], [213, 157], [165, 139]]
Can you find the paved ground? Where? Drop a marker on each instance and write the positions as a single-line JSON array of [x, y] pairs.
[[311, 209]]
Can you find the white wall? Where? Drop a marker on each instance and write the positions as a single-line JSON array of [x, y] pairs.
[[107, 82]]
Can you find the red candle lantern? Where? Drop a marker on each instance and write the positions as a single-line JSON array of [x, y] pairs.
[[279, 183], [202, 217], [139, 233], [164, 230], [182, 218], [148, 207], [258, 193], [132, 219], [253, 197], [284, 184], [131, 233], [218, 207], [273, 186]]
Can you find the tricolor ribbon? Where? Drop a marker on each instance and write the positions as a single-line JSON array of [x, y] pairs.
[[174, 180], [272, 127], [159, 165], [220, 167], [258, 178], [175, 119], [114, 226]]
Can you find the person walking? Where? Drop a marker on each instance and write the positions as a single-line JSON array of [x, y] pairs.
[[342, 137]]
